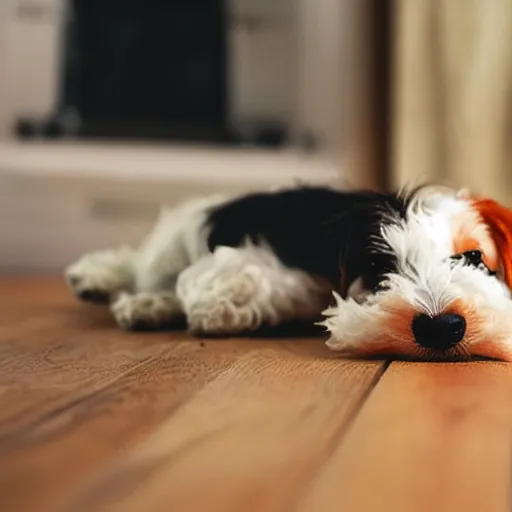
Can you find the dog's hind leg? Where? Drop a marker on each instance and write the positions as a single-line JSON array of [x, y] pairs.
[[177, 240], [147, 310], [101, 276], [140, 284], [235, 290]]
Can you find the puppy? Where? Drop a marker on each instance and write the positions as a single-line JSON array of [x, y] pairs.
[[420, 274]]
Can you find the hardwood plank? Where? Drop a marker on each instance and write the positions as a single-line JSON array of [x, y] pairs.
[[17, 297], [430, 437], [40, 304], [44, 373], [24, 292], [79, 399], [54, 352], [55, 454], [95, 419], [248, 440]]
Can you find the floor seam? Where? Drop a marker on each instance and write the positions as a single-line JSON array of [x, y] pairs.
[[340, 434]]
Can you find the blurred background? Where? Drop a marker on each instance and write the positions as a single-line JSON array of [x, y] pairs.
[[110, 107]]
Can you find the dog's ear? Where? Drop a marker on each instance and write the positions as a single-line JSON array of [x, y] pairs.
[[498, 219]]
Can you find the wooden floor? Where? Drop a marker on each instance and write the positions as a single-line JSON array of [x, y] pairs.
[[93, 419]]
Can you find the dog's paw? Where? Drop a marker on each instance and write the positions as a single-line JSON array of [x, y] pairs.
[[146, 311], [98, 277], [227, 309], [222, 318]]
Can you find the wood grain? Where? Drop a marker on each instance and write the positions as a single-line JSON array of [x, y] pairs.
[[76, 440], [430, 437], [247, 441], [87, 412], [95, 419], [44, 369]]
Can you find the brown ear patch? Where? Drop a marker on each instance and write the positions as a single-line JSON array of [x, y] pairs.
[[498, 219], [470, 233]]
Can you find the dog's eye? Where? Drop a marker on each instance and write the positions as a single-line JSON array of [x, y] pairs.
[[470, 257], [473, 257]]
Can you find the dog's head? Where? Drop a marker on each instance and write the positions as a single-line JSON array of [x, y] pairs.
[[433, 281]]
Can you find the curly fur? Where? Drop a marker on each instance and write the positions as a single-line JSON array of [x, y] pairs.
[[230, 265]]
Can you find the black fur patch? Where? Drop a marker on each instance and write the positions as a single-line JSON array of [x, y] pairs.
[[325, 232]]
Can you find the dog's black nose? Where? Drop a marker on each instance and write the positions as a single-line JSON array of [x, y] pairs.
[[439, 332]]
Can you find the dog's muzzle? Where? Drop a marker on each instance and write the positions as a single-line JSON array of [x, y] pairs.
[[440, 332]]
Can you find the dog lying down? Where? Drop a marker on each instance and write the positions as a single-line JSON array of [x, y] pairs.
[[423, 274]]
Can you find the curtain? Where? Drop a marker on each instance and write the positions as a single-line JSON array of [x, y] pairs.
[[451, 94]]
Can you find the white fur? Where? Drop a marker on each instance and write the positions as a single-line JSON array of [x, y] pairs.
[[423, 245], [146, 309], [427, 279], [177, 241], [173, 272], [103, 273], [234, 290], [351, 324]]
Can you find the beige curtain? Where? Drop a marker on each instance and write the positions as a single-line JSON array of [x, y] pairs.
[[452, 94]]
